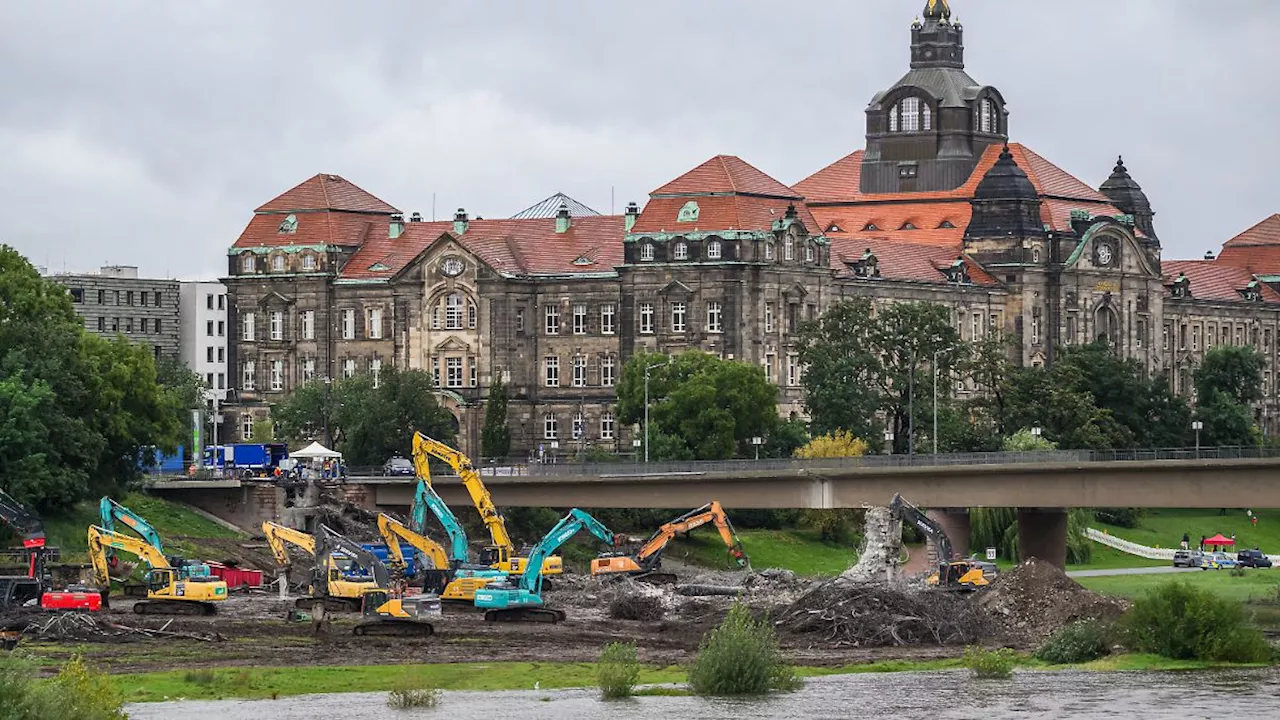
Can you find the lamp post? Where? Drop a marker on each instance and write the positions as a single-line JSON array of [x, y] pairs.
[[888, 442], [646, 406], [1197, 426], [1036, 432], [328, 441], [757, 441], [935, 396], [911, 406]]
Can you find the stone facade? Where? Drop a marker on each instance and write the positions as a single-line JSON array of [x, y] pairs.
[[116, 302], [328, 281]]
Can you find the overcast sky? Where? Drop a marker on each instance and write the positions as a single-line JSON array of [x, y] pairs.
[[145, 133]]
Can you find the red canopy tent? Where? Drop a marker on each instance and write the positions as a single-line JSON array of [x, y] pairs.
[[1219, 540]]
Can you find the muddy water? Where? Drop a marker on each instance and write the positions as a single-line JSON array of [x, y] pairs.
[[935, 696]]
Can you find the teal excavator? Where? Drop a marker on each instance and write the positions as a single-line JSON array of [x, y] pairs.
[[504, 601], [112, 511]]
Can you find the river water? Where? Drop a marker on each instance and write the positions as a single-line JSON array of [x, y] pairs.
[[935, 695]]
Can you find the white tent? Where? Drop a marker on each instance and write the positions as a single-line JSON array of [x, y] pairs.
[[315, 451]]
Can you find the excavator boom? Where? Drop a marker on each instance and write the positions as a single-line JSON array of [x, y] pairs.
[[426, 500], [280, 538], [23, 520], [393, 531], [480, 496], [647, 559], [110, 511]]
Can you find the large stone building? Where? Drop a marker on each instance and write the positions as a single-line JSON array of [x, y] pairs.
[[329, 281], [115, 301]]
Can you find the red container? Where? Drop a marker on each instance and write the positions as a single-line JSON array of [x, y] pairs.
[[236, 577], [71, 600]]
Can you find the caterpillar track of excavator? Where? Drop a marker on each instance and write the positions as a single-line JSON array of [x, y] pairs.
[[167, 593], [646, 563]]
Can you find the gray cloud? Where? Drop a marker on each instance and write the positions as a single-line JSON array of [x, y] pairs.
[[146, 132]]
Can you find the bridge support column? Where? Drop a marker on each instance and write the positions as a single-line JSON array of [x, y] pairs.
[[955, 523], [1042, 534]]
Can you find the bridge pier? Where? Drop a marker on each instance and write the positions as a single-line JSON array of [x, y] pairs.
[[1042, 534], [955, 523]]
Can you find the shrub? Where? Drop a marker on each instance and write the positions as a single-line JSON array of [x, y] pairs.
[[1182, 622], [407, 696], [199, 677], [1121, 517], [618, 670], [741, 657], [1075, 643], [75, 692], [989, 663]]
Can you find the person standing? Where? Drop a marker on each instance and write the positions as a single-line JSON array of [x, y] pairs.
[[1186, 541], [1202, 539]]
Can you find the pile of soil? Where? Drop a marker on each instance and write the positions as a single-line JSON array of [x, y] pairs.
[[844, 613], [1034, 599]]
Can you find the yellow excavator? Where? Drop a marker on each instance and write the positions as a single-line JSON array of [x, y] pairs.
[[444, 578], [645, 563], [501, 554], [330, 575], [952, 573], [167, 592]]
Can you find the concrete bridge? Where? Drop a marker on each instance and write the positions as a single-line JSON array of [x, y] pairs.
[[1040, 485]]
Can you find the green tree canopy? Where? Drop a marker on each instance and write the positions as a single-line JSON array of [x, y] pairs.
[[701, 407], [1233, 370], [368, 424], [1145, 406], [495, 436], [1054, 400]]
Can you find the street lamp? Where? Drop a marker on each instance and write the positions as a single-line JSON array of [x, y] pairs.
[[328, 441], [757, 441], [646, 406], [935, 396], [1197, 426], [888, 442], [911, 406]]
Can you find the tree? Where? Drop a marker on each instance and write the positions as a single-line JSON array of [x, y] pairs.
[[1051, 399], [1227, 423], [838, 444], [833, 525], [786, 437], [1026, 441], [1233, 370], [495, 436], [701, 407], [1147, 407], [860, 363], [368, 423]]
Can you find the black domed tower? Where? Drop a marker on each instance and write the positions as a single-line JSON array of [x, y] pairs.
[[1127, 195], [1006, 207], [928, 131]]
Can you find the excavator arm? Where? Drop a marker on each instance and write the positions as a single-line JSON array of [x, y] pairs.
[[23, 520], [393, 531], [711, 512], [570, 525], [280, 538], [100, 539], [426, 499], [461, 464], [903, 510], [110, 510], [329, 541]]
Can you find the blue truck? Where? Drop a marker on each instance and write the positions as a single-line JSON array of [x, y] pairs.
[[245, 459]]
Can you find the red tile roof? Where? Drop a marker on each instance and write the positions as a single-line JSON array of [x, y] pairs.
[[726, 174], [1256, 249], [326, 192], [314, 228], [1212, 280], [903, 260], [516, 247], [721, 212], [1266, 232]]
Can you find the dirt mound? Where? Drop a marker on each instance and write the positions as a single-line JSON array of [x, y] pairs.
[[848, 613], [637, 607], [1035, 598]]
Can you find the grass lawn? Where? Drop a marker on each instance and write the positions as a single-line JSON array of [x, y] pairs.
[[800, 551], [1108, 558], [169, 519], [1164, 528], [1255, 586]]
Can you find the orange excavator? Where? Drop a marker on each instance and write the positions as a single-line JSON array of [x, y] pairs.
[[645, 564]]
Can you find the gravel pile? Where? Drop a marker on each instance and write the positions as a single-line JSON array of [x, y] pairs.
[[1034, 599]]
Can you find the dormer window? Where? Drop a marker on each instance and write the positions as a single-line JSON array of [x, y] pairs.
[[988, 119], [1252, 292], [910, 114], [308, 262], [646, 252], [907, 226], [1181, 288], [834, 228], [958, 273], [289, 225], [248, 264], [277, 263], [867, 266], [946, 225], [713, 250], [870, 227], [680, 251]]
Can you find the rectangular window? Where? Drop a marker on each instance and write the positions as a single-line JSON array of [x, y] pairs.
[[788, 248], [550, 428], [308, 370], [102, 297], [607, 368], [551, 365], [246, 427], [1035, 329], [144, 298], [975, 326], [374, 325], [222, 354], [1239, 336], [128, 297], [579, 319], [1164, 338], [128, 325], [1266, 384], [115, 324], [249, 376], [519, 320], [102, 324], [435, 371], [453, 312], [606, 319], [375, 370], [208, 354], [606, 426], [793, 370], [208, 379], [277, 325], [714, 317], [768, 317], [579, 426], [677, 317], [810, 311], [552, 315], [1266, 341], [1182, 337], [472, 315], [222, 381], [143, 324], [475, 373], [155, 326], [208, 328], [1070, 331], [1195, 338], [348, 368], [208, 300], [348, 324], [248, 326], [1141, 340], [579, 370], [156, 297], [222, 302], [770, 362], [308, 324], [277, 375], [222, 328], [453, 372], [646, 318]]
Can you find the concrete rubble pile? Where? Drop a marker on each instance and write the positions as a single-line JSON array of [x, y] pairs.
[[878, 561], [1034, 599]]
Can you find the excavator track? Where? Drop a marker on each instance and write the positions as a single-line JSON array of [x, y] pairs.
[[527, 614], [341, 605], [174, 607], [396, 628]]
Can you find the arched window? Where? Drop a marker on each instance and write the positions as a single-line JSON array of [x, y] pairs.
[[988, 120], [453, 312], [680, 251], [277, 263], [646, 252], [911, 114], [248, 264], [808, 252], [308, 262], [471, 315], [768, 250], [713, 250]]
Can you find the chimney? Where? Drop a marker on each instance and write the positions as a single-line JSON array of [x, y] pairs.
[[632, 214], [1208, 255], [397, 226], [416, 217], [460, 222], [563, 221]]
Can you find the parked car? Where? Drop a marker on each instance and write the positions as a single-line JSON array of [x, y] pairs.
[[397, 466], [1222, 561], [1203, 560], [1185, 558], [1253, 558]]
